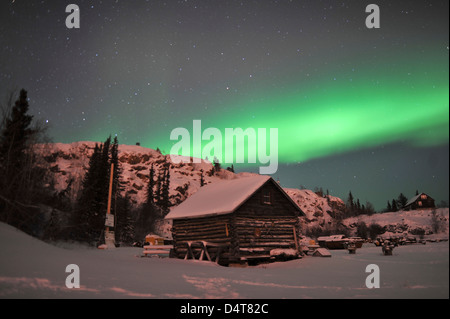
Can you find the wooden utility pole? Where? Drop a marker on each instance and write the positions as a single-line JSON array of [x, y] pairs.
[[108, 210], [109, 236]]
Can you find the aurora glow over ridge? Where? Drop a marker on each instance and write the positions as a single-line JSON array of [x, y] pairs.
[[410, 107], [356, 109]]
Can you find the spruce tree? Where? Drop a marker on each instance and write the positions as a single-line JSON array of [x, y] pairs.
[[149, 212], [93, 201], [21, 180], [369, 209], [86, 204], [150, 187], [350, 204], [124, 225], [401, 201], [120, 205], [159, 187], [14, 140], [394, 205], [165, 186], [358, 207], [167, 190], [202, 179], [15, 135]]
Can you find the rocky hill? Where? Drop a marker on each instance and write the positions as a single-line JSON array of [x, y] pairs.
[[69, 162]]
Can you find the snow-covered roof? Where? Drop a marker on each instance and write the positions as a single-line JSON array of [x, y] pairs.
[[412, 200], [219, 198]]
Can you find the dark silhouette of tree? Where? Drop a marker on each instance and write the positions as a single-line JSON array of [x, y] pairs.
[[124, 223], [388, 207], [86, 219], [350, 207], [150, 187], [231, 169], [401, 201], [159, 185], [164, 204], [202, 179], [21, 178], [89, 218], [394, 205]]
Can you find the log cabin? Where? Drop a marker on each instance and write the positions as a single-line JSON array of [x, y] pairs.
[[237, 221], [420, 201]]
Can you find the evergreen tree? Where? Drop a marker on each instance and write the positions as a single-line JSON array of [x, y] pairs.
[[358, 207], [15, 135], [149, 212], [350, 204], [159, 185], [388, 207], [202, 179], [165, 187], [394, 205], [362, 230], [231, 169], [21, 179], [124, 225], [117, 183], [369, 209], [93, 201], [14, 141], [401, 201], [86, 205], [150, 187]]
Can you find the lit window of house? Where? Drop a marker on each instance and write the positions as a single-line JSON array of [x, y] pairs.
[[423, 196], [419, 203]]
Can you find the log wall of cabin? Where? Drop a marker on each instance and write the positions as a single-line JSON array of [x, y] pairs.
[[252, 231], [426, 203], [260, 226], [214, 229]]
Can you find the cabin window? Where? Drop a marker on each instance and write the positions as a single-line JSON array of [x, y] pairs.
[[419, 203], [423, 196], [267, 198]]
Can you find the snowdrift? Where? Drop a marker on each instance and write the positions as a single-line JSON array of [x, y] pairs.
[[30, 268]]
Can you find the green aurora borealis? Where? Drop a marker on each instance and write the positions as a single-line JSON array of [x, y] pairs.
[[356, 109], [317, 119]]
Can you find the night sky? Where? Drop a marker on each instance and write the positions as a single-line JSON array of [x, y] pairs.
[[357, 109]]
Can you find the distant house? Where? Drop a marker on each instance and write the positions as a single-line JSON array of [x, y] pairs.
[[239, 220], [420, 201]]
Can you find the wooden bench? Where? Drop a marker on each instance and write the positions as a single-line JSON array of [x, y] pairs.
[[203, 246], [157, 250]]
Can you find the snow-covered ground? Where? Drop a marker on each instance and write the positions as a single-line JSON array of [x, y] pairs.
[[33, 269], [408, 221]]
